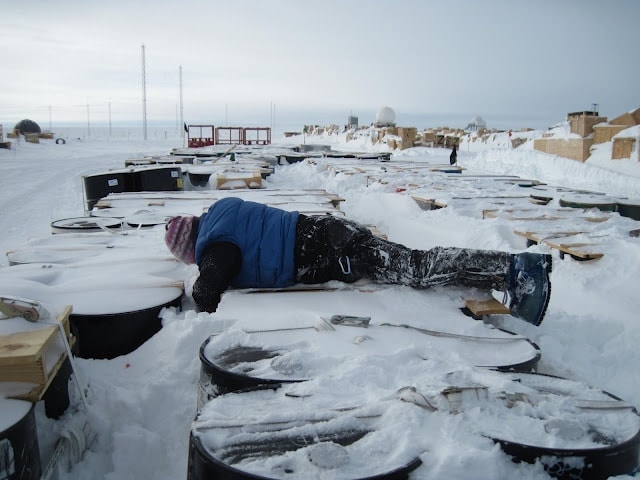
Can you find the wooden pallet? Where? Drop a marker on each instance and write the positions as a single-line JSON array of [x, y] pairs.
[[446, 168], [533, 215], [578, 250], [32, 356], [566, 243], [537, 214]]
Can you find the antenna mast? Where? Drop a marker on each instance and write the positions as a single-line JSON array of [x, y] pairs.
[[181, 110], [144, 97]]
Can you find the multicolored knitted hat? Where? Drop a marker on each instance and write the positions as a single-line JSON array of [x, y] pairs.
[[181, 237]]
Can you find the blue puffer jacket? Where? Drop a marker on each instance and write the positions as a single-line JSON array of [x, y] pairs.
[[265, 235]]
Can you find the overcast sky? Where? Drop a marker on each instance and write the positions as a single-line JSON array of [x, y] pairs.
[[246, 60]]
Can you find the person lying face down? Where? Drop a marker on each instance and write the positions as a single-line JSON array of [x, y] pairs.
[[244, 244]]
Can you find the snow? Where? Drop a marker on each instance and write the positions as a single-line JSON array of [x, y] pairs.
[[142, 404], [630, 132]]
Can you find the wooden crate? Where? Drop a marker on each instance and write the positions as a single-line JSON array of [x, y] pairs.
[[32, 137], [232, 181], [33, 357]]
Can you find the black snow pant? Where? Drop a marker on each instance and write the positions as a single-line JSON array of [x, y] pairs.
[[332, 248]]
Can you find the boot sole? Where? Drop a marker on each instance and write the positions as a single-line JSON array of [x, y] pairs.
[[548, 268]]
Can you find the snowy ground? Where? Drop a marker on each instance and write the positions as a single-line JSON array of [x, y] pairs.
[[142, 404]]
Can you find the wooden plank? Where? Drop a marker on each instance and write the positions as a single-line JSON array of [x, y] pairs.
[[423, 203], [492, 213], [102, 203], [63, 318], [540, 236], [535, 214], [490, 306], [37, 392], [576, 250], [428, 203], [23, 347], [446, 169]]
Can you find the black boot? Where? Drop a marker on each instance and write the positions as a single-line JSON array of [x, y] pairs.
[[529, 286]]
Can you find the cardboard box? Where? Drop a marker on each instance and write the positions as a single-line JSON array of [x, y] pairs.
[[604, 133], [623, 148], [573, 148], [629, 119]]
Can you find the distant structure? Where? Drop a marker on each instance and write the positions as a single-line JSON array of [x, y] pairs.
[[593, 129], [27, 126], [385, 117], [4, 144], [352, 121], [476, 124], [199, 136]]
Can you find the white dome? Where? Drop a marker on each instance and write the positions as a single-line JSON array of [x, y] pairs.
[[386, 115], [478, 121]]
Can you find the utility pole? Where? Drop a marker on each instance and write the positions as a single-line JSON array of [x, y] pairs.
[[88, 123]]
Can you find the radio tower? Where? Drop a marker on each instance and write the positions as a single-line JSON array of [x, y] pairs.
[[144, 97], [181, 108]]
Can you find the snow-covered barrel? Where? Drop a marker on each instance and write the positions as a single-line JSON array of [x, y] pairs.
[[133, 319], [19, 451], [601, 202], [241, 360], [269, 435], [116, 299], [381, 156], [629, 207], [85, 224], [574, 430], [313, 147], [292, 157], [217, 375], [173, 159], [144, 219]]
